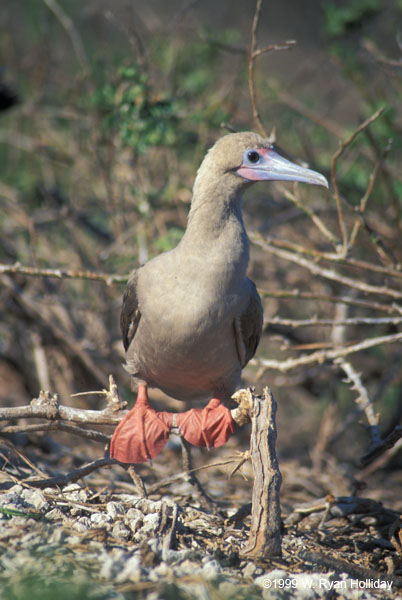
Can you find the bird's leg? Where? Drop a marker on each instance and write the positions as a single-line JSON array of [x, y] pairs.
[[207, 427], [142, 433]]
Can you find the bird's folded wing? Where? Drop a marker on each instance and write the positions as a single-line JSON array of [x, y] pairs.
[[130, 313], [248, 327]]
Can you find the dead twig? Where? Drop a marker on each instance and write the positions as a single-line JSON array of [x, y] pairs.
[[96, 436], [297, 294], [325, 272], [323, 355], [36, 313], [137, 480], [68, 25], [315, 322], [47, 406], [61, 273], [315, 218], [385, 444], [251, 63], [62, 480], [191, 477], [341, 149], [371, 47], [363, 204], [381, 461], [335, 257], [320, 559], [362, 400], [387, 175], [168, 537], [254, 53]]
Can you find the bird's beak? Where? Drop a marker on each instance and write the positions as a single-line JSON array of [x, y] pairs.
[[273, 167]]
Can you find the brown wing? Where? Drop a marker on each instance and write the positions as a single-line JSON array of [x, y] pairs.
[[248, 327], [130, 313]]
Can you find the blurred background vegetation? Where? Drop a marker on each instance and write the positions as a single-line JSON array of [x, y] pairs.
[[107, 111]]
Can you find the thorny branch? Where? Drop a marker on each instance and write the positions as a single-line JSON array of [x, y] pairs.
[[362, 400]]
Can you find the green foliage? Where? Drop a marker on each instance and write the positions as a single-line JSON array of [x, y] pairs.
[[130, 109], [337, 19]]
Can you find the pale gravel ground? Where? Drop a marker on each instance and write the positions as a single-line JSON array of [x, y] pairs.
[[120, 549]]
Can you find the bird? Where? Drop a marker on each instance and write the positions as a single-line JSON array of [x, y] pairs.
[[191, 319]]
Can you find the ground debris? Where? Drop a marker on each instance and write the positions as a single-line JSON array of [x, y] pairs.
[[98, 533]]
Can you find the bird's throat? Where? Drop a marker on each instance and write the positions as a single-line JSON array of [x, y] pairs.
[[216, 233]]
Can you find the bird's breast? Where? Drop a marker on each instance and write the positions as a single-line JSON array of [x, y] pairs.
[[185, 342]]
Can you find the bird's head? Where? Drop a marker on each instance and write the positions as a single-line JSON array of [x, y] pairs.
[[244, 158]]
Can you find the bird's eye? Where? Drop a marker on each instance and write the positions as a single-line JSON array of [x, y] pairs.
[[253, 156]]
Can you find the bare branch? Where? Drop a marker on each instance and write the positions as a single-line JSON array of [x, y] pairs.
[[322, 355], [342, 147], [370, 46], [291, 101], [251, 62], [61, 273], [387, 176], [36, 312], [274, 47], [315, 218], [315, 322], [362, 399], [389, 442], [297, 294], [62, 480], [254, 53], [96, 436], [381, 460], [69, 27], [47, 406], [334, 257], [363, 203], [324, 272]]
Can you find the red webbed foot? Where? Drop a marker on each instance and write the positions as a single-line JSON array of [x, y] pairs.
[[142, 433], [208, 427]]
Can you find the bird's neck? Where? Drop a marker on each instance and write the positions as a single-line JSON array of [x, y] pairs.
[[215, 228]]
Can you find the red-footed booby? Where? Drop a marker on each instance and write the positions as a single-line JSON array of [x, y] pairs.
[[191, 318]]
